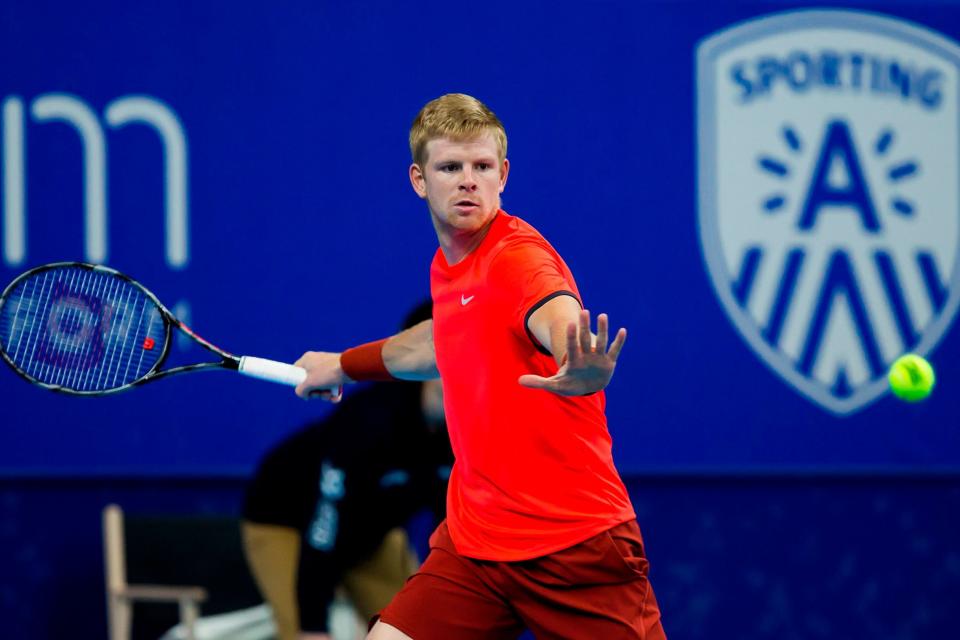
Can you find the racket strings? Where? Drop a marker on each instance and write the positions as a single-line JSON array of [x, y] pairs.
[[81, 329], [87, 373], [75, 358], [111, 355]]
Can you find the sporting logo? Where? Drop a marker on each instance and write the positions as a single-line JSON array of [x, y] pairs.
[[829, 193]]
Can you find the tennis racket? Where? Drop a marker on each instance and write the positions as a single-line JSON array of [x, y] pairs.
[[86, 329]]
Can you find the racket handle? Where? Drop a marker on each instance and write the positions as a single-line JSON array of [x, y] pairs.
[[272, 370], [281, 372]]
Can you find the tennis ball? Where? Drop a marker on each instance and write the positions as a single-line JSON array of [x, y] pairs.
[[911, 378]]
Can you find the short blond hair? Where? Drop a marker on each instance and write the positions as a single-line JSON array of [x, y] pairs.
[[456, 116]]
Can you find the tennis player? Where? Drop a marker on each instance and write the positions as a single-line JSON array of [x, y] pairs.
[[540, 532]]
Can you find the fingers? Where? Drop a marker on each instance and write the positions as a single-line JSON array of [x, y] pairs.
[[603, 334], [585, 336], [331, 395], [308, 390], [322, 379], [602, 328], [534, 382], [573, 351], [617, 345]]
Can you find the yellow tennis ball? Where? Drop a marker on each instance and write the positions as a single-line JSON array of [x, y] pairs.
[[911, 378]]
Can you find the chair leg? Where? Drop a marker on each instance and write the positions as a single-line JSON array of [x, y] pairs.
[[189, 612], [121, 614]]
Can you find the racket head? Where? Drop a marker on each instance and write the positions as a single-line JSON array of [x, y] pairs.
[[82, 329]]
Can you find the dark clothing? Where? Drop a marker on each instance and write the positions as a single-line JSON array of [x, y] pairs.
[[347, 480]]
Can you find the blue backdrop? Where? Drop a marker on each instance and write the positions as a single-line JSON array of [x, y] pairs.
[[275, 137]]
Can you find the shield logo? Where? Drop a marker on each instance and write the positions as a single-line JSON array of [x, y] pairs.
[[829, 193]]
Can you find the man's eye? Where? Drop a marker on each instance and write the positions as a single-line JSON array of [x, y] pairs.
[[483, 166], [450, 168]]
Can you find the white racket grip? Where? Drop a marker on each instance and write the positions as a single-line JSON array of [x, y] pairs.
[[281, 372], [272, 370]]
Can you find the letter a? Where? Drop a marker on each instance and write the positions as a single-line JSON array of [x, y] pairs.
[[838, 147]]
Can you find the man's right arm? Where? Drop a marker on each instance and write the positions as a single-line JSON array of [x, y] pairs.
[[408, 355]]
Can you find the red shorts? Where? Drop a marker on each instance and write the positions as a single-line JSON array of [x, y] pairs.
[[596, 589]]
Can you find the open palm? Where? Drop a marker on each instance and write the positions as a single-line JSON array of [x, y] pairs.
[[588, 367]]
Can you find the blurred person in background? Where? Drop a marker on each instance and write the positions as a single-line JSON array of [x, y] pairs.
[[324, 513]]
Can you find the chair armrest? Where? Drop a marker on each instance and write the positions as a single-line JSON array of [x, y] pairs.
[[162, 593]]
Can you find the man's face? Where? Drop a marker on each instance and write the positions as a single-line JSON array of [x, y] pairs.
[[461, 182]]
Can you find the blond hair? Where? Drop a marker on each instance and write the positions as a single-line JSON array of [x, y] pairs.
[[456, 116]]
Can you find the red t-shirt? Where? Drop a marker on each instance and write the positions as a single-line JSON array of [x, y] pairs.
[[534, 471]]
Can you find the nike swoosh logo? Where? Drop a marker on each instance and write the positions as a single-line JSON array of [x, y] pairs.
[[465, 301]]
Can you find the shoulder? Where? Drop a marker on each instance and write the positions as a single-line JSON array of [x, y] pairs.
[[524, 254], [515, 229], [517, 240]]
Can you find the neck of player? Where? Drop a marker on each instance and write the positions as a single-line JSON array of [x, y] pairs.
[[457, 244]]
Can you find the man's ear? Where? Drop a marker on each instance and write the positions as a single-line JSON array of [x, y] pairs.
[[418, 181], [504, 170]]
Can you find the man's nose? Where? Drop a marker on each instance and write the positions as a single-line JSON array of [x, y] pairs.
[[467, 182]]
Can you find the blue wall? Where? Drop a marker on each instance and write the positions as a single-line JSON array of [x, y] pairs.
[[302, 231]]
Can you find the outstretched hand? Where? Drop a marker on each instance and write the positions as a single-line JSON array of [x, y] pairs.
[[588, 367]]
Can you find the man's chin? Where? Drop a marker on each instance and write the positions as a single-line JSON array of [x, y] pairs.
[[473, 221]]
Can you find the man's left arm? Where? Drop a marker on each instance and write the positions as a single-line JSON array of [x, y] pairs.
[[586, 362]]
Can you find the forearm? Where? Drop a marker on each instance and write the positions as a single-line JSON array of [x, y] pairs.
[[550, 323], [557, 344], [407, 355], [410, 355]]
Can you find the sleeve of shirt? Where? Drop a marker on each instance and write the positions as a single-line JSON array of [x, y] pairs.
[[528, 275]]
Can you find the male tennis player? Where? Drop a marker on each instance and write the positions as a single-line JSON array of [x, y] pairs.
[[540, 532]]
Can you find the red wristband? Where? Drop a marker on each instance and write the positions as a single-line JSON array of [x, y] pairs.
[[366, 362]]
